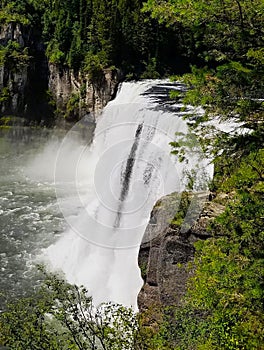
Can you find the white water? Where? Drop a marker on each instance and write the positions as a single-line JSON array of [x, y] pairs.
[[112, 187]]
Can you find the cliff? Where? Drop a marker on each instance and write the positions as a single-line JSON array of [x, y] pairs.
[[167, 250], [13, 72], [33, 88], [76, 95]]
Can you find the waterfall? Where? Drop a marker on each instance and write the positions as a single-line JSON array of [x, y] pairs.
[[114, 183]]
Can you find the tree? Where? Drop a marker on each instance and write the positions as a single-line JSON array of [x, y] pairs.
[[225, 296], [61, 316]]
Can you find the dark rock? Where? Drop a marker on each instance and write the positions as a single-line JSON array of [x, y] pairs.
[[167, 249]]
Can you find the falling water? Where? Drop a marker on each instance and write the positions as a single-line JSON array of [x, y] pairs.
[[113, 185]]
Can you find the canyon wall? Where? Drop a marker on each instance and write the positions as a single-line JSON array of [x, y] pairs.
[[37, 90]]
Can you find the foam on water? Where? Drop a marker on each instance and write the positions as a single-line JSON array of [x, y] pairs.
[[112, 186]]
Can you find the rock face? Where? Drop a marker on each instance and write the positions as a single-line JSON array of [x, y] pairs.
[[13, 79], [23, 73], [76, 96], [167, 250], [26, 77]]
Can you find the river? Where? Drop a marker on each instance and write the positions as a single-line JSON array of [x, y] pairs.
[[30, 218], [101, 196]]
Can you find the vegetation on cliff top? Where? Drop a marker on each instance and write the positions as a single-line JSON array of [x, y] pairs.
[[223, 308], [224, 303], [92, 35], [89, 37]]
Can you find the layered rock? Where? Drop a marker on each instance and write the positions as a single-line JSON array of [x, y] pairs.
[[164, 257], [76, 95]]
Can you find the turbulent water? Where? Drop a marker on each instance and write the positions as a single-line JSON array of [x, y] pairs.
[[30, 218], [115, 182], [83, 208]]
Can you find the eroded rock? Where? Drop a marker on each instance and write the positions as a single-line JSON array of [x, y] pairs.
[[167, 250]]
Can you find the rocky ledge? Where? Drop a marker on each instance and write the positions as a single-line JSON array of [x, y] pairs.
[[167, 249]]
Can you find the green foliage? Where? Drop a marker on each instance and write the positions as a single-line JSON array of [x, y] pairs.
[[151, 70], [228, 281], [6, 123], [186, 145], [24, 12], [224, 303], [50, 99], [72, 105], [144, 268], [9, 12], [151, 334], [83, 34], [55, 55], [225, 38], [182, 210], [185, 328], [4, 95], [221, 30], [93, 66], [225, 295], [174, 94], [116, 33], [14, 56], [62, 316]]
